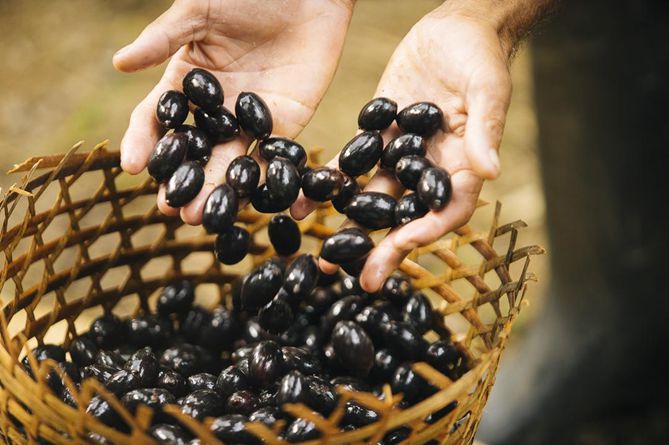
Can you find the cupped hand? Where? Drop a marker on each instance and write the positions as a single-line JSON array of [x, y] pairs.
[[461, 64], [286, 51]]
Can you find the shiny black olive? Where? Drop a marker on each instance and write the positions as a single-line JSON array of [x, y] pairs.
[[374, 319], [44, 352], [441, 413], [354, 267], [446, 358], [231, 429], [154, 398], [110, 358], [169, 434], [401, 146], [83, 351], [423, 118], [266, 363], [145, 364], [396, 436], [346, 245], [241, 352], [60, 373], [220, 210], [408, 208], [312, 338], [193, 322], [253, 115], [254, 333], [203, 380], [268, 415], [377, 114], [203, 89], [358, 415], [350, 285], [242, 402], [374, 210], [405, 339], [276, 316], [176, 298], [284, 234], [172, 381], [409, 170], [351, 383], [411, 384], [283, 180], [184, 358], [168, 155], [101, 373], [301, 277], [219, 331], [321, 395], [232, 245], [199, 145], [348, 191], [261, 285], [149, 330], [284, 147], [231, 380], [385, 364], [172, 108], [419, 313], [203, 403], [264, 202], [103, 411], [344, 309], [361, 153], [322, 184], [301, 360], [219, 126], [319, 301], [243, 175], [107, 331], [301, 430], [292, 388], [353, 347], [434, 188], [184, 184], [68, 397], [397, 289], [123, 381], [267, 397]]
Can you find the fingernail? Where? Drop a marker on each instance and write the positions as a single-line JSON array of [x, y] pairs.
[[494, 159]]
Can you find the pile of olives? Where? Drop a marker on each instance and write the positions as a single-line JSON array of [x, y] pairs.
[[234, 367], [179, 156]]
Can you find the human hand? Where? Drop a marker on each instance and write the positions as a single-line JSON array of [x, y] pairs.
[[287, 53], [461, 64]]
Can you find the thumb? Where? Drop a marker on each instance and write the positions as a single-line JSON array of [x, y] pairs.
[[485, 126], [183, 23]]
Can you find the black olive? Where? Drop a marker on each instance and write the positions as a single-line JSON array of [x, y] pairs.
[[101, 373], [154, 398], [46, 352], [231, 429], [55, 379], [107, 331], [292, 388], [419, 313], [408, 208], [110, 358], [183, 358], [145, 364], [361, 153], [68, 397], [232, 245], [220, 210], [184, 184], [254, 333], [401, 146], [351, 383], [312, 339], [123, 381], [301, 277], [411, 384], [319, 301], [176, 298], [192, 323], [346, 245], [283, 179], [199, 145], [349, 285], [344, 309], [353, 347], [322, 184], [202, 403], [103, 411], [276, 316], [266, 364], [83, 351], [261, 285], [243, 175], [169, 434], [321, 395], [219, 331], [423, 118], [374, 210], [242, 402], [441, 413], [203, 89], [405, 339], [358, 415], [149, 330], [172, 381], [434, 188], [396, 436], [348, 191], [397, 289], [268, 415], [284, 147], [409, 169], [172, 108], [203, 380], [241, 352], [263, 201], [373, 319], [284, 234], [385, 364], [219, 126], [168, 155], [231, 380], [253, 115], [301, 430], [300, 359], [267, 397], [447, 359], [354, 267], [377, 114]]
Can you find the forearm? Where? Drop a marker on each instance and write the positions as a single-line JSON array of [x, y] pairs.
[[512, 19]]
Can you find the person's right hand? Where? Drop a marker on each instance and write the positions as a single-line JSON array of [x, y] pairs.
[[285, 51]]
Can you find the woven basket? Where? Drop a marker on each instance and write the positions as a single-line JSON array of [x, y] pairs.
[[81, 238]]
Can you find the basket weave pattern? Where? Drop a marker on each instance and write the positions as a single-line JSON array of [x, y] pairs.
[[77, 240]]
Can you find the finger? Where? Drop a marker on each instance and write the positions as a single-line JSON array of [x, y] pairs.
[[486, 116], [387, 256], [184, 22]]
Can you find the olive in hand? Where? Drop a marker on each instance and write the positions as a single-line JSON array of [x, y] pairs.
[[322, 184], [408, 208], [346, 245], [377, 114], [219, 125], [168, 155], [374, 210], [264, 202], [434, 188], [203, 89], [361, 153], [423, 118], [199, 145], [348, 191], [283, 180], [184, 184], [261, 285], [404, 145], [220, 210], [243, 175], [232, 245], [172, 109], [284, 147], [409, 169], [253, 115]]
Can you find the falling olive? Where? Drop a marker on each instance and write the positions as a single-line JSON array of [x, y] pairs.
[[345, 246], [264, 202], [301, 277], [361, 153], [377, 114], [232, 245], [253, 115], [168, 155], [348, 191], [434, 188], [243, 175], [220, 209], [284, 234], [172, 109], [261, 285], [184, 184], [203, 89], [374, 210], [423, 118]]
